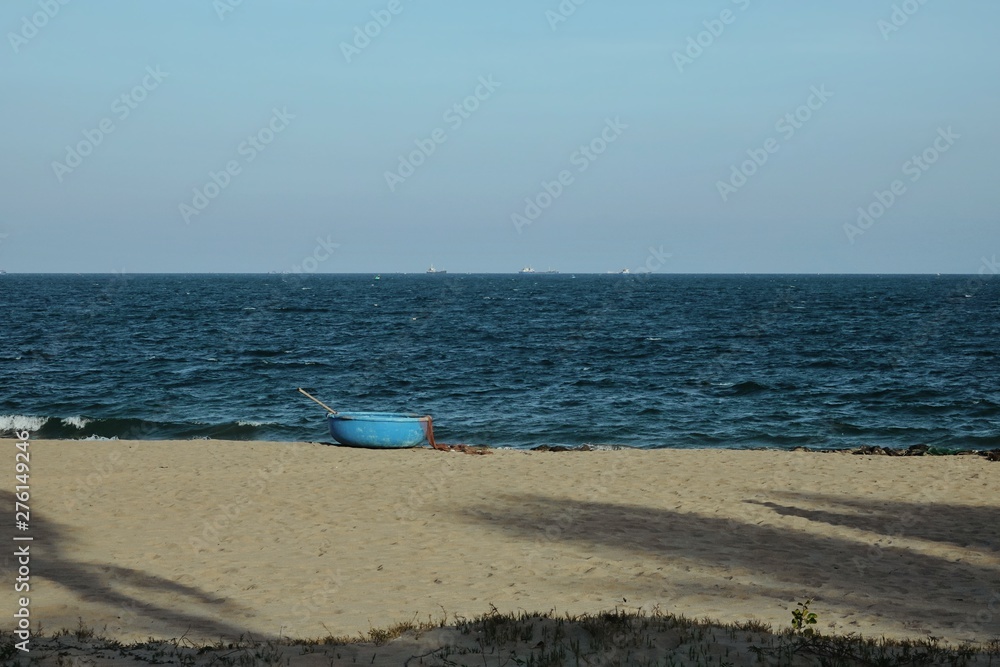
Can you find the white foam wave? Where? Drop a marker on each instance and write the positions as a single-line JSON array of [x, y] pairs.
[[78, 422], [21, 423]]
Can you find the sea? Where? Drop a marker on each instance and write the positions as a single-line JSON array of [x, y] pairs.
[[517, 361]]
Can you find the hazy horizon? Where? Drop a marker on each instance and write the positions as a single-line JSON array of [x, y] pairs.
[[388, 136], [538, 273]]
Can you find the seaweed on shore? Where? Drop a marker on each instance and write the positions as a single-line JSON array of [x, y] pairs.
[[924, 450], [864, 450]]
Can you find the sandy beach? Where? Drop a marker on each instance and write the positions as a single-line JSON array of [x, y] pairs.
[[213, 539]]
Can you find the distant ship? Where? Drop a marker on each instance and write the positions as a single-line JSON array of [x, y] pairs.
[[550, 271], [624, 272], [527, 269], [433, 270]]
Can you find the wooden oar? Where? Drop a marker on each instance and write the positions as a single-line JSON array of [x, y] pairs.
[[308, 395]]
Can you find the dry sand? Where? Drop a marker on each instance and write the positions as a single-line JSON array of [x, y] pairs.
[[211, 539]]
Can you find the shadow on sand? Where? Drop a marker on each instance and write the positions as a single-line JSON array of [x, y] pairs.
[[126, 590], [957, 567]]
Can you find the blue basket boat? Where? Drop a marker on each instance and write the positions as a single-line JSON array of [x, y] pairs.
[[377, 430], [381, 430]]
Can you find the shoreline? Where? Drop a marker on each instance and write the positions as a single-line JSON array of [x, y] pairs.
[[214, 539], [865, 450]]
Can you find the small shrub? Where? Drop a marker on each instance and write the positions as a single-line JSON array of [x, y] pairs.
[[802, 617]]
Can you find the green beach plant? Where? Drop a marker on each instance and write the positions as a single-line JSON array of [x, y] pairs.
[[802, 617]]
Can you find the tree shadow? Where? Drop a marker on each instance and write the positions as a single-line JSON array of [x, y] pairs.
[[964, 526], [121, 588], [743, 557]]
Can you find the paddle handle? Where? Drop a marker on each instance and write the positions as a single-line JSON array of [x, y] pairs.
[[308, 395]]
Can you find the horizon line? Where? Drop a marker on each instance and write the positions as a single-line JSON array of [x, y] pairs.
[[484, 273]]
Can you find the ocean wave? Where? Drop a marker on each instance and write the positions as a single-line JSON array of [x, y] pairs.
[[16, 423], [739, 389], [91, 428], [78, 422]]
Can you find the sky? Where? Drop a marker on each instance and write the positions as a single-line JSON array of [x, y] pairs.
[[728, 136]]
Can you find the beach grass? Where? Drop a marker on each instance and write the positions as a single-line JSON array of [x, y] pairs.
[[613, 638]]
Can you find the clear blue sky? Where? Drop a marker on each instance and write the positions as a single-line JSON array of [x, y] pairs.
[[679, 127]]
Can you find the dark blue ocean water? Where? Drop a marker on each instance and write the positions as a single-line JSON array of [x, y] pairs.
[[517, 360]]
